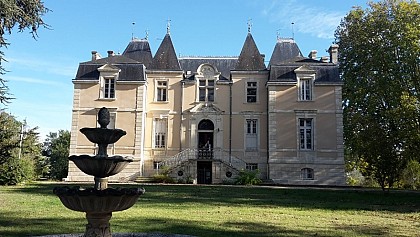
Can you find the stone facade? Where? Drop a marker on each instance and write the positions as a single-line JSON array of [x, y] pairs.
[[206, 118]]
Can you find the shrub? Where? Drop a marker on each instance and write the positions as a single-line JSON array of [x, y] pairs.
[[248, 177], [15, 171], [355, 178], [411, 175]]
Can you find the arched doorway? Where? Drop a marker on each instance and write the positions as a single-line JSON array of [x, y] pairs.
[[205, 151]]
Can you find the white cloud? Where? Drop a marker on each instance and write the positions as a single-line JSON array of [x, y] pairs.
[[36, 64], [35, 81], [316, 21]]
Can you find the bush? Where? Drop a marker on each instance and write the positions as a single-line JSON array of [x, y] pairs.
[[15, 171], [248, 177], [355, 178], [411, 175], [164, 176]]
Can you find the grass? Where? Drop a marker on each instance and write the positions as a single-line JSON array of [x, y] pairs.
[[223, 211]]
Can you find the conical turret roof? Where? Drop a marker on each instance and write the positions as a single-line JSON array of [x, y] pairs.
[[250, 58], [165, 57]]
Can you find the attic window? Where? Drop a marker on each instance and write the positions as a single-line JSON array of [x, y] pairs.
[[107, 88], [188, 72]]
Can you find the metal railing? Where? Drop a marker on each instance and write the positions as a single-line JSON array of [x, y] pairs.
[[204, 154]]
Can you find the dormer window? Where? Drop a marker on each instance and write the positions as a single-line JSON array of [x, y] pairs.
[[305, 78], [206, 79], [109, 88], [305, 89], [107, 81]]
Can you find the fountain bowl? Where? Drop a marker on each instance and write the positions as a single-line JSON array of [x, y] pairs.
[[100, 166], [91, 200], [103, 135]]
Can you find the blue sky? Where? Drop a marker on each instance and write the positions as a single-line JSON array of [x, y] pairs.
[[41, 71]]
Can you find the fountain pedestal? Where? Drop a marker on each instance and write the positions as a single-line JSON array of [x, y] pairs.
[[99, 202]]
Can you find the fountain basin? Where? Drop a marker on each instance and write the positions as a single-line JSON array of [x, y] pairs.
[[103, 135], [91, 200], [100, 166]]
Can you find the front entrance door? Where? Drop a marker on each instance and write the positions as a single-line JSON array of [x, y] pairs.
[[204, 172]]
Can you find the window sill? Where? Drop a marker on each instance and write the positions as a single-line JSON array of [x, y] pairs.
[[160, 102], [106, 99]]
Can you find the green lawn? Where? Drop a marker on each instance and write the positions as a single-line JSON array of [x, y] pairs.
[[223, 211]]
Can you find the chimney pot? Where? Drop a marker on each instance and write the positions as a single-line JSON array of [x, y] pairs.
[[95, 55], [312, 54], [333, 50], [110, 53]]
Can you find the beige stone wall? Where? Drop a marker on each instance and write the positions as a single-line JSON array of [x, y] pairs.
[[285, 158]]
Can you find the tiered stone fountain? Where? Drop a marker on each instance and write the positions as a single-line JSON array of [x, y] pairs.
[[99, 202]]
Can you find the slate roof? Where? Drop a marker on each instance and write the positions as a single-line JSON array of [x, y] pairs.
[[165, 57], [131, 70], [325, 73], [250, 58], [223, 64], [139, 50], [286, 50]]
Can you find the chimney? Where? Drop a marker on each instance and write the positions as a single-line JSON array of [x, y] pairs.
[[110, 53], [312, 54], [324, 59], [95, 55], [333, 50]]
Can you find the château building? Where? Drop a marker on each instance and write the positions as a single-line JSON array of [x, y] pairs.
[[207, 118]]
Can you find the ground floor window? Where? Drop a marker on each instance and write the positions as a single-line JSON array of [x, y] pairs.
[[156, 165], [160, 133], [251, 166], [307, 173]]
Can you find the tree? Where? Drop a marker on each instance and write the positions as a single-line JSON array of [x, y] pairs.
[[379, 60], [25, 14], [56, 147], [19, 151]]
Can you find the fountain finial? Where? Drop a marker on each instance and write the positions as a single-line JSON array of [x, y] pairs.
[[103, 117]]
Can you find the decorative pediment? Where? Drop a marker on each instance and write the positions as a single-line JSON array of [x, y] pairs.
[[205, 109], [109, 68], [304, 70]]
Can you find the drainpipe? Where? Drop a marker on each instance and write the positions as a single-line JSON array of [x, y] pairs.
[[182, 116], [230, 120]]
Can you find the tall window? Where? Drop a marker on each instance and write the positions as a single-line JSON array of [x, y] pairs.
[[306, 133], [160, 133], [305, 89], [251, 92], [109, 88], [206, 89], [251, 134], [161, 90], [307, 174]]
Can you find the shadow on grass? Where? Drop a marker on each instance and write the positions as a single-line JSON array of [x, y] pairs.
[[306, 198]]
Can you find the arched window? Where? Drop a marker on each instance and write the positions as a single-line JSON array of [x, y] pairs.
[[307, 174], [205, 124]]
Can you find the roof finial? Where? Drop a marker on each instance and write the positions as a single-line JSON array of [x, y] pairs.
[[278, 34], [249, 25], [132, 30], [168, 26], [147, 34], [293, 32]]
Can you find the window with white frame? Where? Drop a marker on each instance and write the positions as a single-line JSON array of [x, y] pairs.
[[206, 89], [251, 92], [251, 134], [157, 165], [307, 174], [161, 90], [160, 132], [108, 88], [305, 89], [251, 166], [306, 133]]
